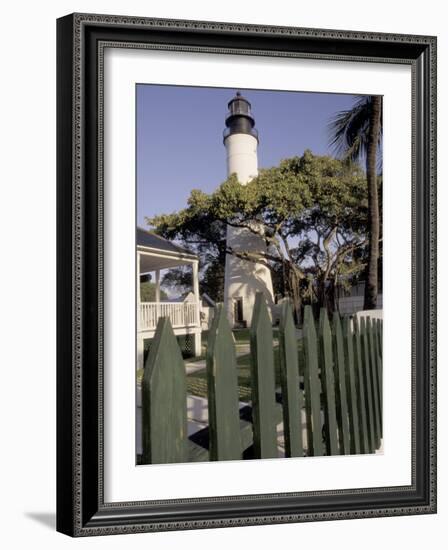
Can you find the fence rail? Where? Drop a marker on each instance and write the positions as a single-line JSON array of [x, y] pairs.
[[328, 394], [180, 314]]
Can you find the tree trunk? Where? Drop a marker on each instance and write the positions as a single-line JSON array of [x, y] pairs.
[[330, 302], [294, 290], [320, 294], [371, 289]]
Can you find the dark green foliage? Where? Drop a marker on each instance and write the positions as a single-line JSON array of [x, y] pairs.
[[148, 292], [178, 279]]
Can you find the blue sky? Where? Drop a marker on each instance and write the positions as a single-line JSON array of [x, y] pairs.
[[179, 137]]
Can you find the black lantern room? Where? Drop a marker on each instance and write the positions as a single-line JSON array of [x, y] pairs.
[[239, 119]]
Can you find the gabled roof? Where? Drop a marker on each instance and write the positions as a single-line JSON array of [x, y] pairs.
[[151, 240], [184, 297], [207, 300]]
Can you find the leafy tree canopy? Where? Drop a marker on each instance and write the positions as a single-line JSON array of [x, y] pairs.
[[310, 210], [148, 292]]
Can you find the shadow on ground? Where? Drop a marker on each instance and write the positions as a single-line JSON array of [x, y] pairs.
[[48, 519]]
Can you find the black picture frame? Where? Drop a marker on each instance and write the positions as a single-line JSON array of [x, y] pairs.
[[81, 510]]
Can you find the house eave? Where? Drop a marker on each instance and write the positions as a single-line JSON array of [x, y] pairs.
[[167, 254]]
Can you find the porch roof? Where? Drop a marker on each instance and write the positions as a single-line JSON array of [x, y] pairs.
[[159, 253]]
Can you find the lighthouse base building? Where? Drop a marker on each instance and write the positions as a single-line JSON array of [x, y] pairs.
[[243, 277]]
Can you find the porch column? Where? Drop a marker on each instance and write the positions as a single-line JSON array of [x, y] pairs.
[[157, 285], [197, 335], [157, 295], [139, 362], [195, 281], [197, 343]]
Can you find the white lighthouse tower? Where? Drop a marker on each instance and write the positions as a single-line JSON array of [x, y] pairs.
[[243, 278]]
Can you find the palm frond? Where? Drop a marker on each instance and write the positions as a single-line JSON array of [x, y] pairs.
[[348, 130]]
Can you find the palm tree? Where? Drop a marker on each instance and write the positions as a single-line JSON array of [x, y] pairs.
[[356, 134]]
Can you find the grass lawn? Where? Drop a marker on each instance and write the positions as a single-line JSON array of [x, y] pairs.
[[241, 335], [197, 381]]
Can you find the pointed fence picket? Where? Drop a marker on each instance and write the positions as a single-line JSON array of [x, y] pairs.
[[327, 396], [222, 383], [164, 384], [312, 386], [292, 398], [327, 372], [352, 391], [375, 381], [263, 381], [376, 327], [361, 390], [340, 367]]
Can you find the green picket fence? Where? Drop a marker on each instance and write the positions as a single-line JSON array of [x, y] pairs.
[[329, 396]]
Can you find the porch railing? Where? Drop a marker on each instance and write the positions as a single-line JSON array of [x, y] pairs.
[[180, 314]]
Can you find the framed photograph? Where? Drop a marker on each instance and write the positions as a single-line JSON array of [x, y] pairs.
[[246, 274]]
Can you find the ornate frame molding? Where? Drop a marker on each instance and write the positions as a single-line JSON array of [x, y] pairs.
[[81, 42]]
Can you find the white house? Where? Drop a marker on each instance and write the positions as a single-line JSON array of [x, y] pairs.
[[154, 254], [352, 301]]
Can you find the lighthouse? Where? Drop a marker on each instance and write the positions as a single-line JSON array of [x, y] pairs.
[[243, 278]]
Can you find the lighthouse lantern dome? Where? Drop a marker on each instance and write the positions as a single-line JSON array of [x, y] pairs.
[[239, 118]]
